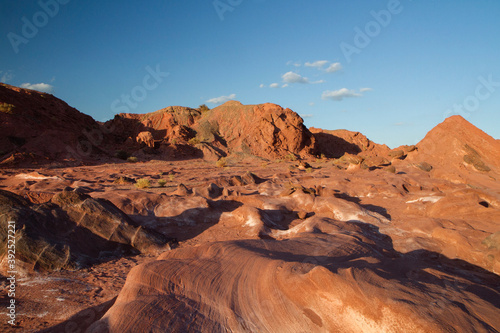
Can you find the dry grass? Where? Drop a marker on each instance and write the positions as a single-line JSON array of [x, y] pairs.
[[7, 108], [221, 163], [143, 183], [476, 162]]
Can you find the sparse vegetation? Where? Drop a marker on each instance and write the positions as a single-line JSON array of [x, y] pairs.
[[221, 163], [476, 162], [124, 180], [309, 170], [122, 154], [291, 157], [143, 183], [203, 108], [171, 177], [162, 182], [132, 159], [194, 141], [174, 141], [7, 108]]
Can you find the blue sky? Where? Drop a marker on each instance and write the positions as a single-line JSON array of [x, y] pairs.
[[389, 69]]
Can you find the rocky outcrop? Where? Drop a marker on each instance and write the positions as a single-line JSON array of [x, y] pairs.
[[265, 130], [146, 138], [171, 123], [336, 277], [334, 143], [71, 231]]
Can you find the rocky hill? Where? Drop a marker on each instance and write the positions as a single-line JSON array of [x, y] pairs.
[[459, 150], [38, 128]]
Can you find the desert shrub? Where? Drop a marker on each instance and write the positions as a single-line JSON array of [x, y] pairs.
[[143, 183], [476, 162], [194, 141], [174, 141], [291, 157], [309, 170], [132, 159], [122, 154], [7, 108], [124, 180], [162, 182], [203, 108], [171, 177], [221, 163]]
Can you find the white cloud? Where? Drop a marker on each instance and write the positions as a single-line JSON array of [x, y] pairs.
[[317, 82], [262, 85], [317, 64], [365, 89], [292, 77], [274, 85], [311, 104], [336, 66], [6, 76], [285, 85], [221, 99], [338, 95], [43, 87], [291, 63]]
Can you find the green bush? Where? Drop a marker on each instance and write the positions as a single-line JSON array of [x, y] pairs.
[[143, 183], [132, 159], [162, 182]]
